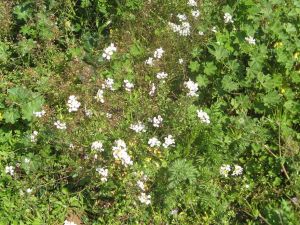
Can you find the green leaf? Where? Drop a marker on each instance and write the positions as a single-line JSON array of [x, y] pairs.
[[30, 107], [210, 68], [228, 84], [271, 98], [11, 115], [194, 66], [202, 81]]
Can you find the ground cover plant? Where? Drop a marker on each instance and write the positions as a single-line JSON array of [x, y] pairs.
[[149, 112]]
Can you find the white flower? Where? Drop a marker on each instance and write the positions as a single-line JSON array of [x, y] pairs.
[[225, 169], [146, 199], [128, 85], [154, 142], [67, 222], [97, 146], [192, 3], [108, 115], [192, 87], [28, 190], [238, 170], [73, 104], [201, 33], [39, 114], [33, 136], [203, 116], [149, 61], [158, 53], [174, 212], [169, 141], [157, 121], [181, 17], [152, 90], [214, 29], [161, 75], [26, 160], [180, 61], [250, 40], [88, 112], [120, 153], [99, 96], [141, 185], [228, 18], [108, 83], [183, 29], [60, 125], [103, 173], [138, 127], [195, 13], [10, 170], [109, 51]]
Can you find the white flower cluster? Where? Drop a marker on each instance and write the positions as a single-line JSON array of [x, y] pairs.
[[99, 96], [161, 75], [195, 13], [67, 222], [181, 17], [138, 127], [39, 114], [192, 3], [97, 146], [73, 104], [88, 112], [145, 199], [33, 136], [149, 61], [103, 173], [10, 170], [214, 29], [192, 87], [108, 83], [158, 53], [157, 121], [203, 116], [120, 153], [169, 141], [225, 169], [238, 170], [141, 185], [228, 18], [154, 142], [128, 85], [109, 51], [152, 90], [60, 125], [250, 40], [183, 29]]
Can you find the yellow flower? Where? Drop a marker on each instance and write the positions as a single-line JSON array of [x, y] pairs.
[[278, 44], [148, 159]]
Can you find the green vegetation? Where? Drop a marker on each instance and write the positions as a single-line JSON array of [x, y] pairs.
[[149, 112]]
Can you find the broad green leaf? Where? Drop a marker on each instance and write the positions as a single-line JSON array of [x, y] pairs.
[[194, 66], [11, 115], [210, 68]]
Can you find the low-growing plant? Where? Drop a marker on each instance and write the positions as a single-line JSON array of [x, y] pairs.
[[149, 112]]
